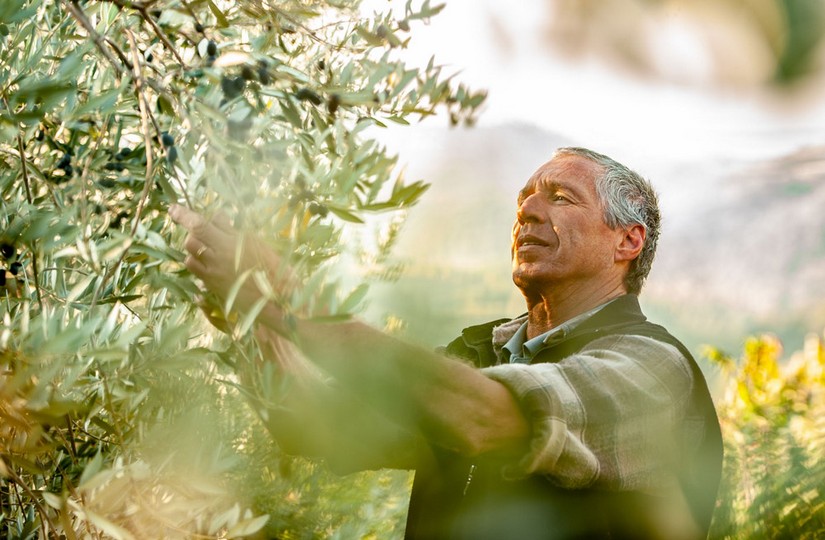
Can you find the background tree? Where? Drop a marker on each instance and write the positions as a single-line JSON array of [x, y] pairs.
[[121, 414]]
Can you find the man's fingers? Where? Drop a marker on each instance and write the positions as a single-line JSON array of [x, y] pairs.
[[187, 218], [195, 265], [194, 246], [222, 222]]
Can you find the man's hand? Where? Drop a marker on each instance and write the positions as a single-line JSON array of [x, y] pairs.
[[218, 255]]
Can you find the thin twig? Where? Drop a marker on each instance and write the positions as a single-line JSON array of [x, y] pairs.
[[25, 170], [147, 137], [32, 495], [99, 40], [143, 106]]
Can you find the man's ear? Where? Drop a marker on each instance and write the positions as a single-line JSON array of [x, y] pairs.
[[631, 243]]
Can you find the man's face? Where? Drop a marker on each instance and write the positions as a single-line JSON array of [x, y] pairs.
[[560, 238]]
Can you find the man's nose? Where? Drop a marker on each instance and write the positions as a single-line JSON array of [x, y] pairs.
[[530, 210]]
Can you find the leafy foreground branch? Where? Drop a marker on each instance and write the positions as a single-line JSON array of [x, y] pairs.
[[773, 422], [121, 411]]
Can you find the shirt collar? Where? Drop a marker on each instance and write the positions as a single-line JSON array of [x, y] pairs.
[[519, 349]]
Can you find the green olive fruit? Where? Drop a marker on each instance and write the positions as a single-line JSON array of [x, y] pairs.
[[317, 209]]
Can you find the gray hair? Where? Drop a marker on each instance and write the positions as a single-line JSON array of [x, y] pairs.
[[628, 199]]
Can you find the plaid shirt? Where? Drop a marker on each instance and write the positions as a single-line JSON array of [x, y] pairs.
[[598, 417]]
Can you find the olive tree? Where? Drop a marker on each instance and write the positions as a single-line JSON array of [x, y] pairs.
[[122, 412]]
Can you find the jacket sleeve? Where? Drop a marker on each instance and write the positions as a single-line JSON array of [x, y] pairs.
[[605, 417]]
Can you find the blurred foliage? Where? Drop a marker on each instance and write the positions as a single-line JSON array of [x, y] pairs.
[[773, 423], [728, 42], [121, 412]]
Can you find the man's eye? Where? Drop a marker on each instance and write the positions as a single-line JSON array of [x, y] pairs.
[[560, 198]]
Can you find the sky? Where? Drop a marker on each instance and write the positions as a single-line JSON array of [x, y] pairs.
[[499, 46]]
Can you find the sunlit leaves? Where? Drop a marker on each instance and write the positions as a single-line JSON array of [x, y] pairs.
[[110, 377], [771, 416]]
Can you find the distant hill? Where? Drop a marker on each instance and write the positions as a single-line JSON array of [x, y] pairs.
[[742, 251]]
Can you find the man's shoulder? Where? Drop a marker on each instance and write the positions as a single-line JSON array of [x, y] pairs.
[[475, 343]]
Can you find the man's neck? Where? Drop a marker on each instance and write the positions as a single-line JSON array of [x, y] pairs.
[[549, 310]]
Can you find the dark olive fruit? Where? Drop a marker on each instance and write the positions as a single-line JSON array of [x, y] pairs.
[[7, 250], [40, 135], [65, 161], [122, 153], [4, 30], [232, 86], [149, 57], [15, 267], [227, 86], [199, 28], [122, 215], [210, 60], [107, 183], [171, 155], [317, 209], [305, 94], [332, 103], [2, 277], [114, 166], [68, 170], [247, 73], [211, 48], [156, 13], [167, 139], [321, 64], [263, 76]]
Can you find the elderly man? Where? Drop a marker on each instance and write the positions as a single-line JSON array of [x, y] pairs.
[[579, 419]]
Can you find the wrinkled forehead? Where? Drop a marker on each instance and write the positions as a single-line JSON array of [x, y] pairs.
[[564, 171]]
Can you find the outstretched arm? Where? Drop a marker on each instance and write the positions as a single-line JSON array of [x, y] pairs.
[[316, 417], [453, 405]]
